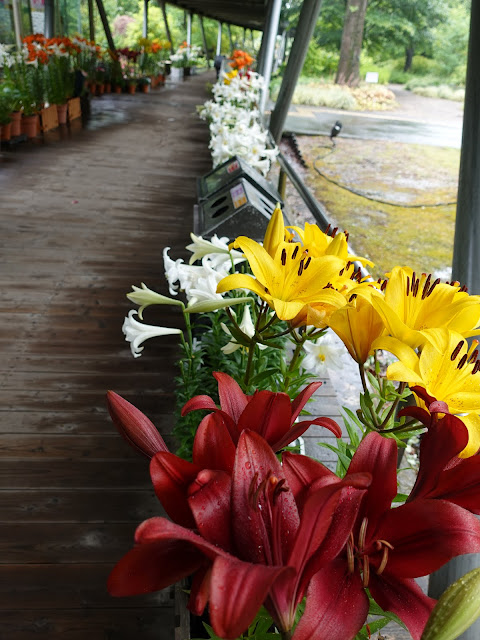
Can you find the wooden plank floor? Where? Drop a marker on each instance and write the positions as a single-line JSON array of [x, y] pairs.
[[83, 216]]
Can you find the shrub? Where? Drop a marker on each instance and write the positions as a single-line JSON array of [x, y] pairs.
[[319, 62]]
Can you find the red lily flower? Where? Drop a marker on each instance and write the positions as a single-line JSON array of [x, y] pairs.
[[442, 474], [272, 415], [387, 549], [251, 544]]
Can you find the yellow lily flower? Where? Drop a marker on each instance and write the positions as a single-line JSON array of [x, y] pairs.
[[357, 324], [412, 305], [448, 374], [289, 280]]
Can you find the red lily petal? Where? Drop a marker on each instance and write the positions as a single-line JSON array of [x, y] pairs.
[[299, 429], [342, 524], [419, 414], [442, 442], [154, 566], [300, 472], [303, 397], [171, 477], [200, 591], [198, 402], [378, 456], [460, 484], [267, 413], [232, 399], [237, 591], [134, 426], [255, 463], [438, 407], [421, 392], [213, 447], [210, 504], [327, 519], [161, 529], [425, 534], [405, 599], [337, 605]]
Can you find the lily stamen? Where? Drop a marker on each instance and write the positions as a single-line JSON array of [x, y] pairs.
[[366, 571], [295, 251], [284, 257], [350, 554], [362, 535], [457, 350], [463, 359]]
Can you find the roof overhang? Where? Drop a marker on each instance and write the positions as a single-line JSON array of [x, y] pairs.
[[245, 13]]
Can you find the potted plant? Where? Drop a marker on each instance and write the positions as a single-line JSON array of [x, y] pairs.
[[10, 114], [143, 84], [60, 82]]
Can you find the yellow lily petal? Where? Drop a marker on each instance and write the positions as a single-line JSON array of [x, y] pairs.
[[240, 281], [472, 422], [275, 233], [261, 263], [398, 371], [399, 349]]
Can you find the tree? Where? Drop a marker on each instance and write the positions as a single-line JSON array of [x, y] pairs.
[[351, 47]]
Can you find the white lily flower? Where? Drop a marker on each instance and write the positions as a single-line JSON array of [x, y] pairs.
[[322, 354], [137, 332], [247, 327], [145, 297], [171, 271]]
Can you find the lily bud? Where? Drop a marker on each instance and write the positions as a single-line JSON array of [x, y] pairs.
[[134, 426], [456, 610], [145, 297], [213, 305]]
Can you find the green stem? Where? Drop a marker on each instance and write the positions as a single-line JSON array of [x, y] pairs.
[[293, 362], [286, 635], [367, 394], [411, 425], [248, 370], [401, 389]]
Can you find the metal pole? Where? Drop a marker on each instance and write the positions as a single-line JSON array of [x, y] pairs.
[[167, 28], [49, 18], [244, 36], [303, 34], [106, 26], [218, 51], [466, 254], [204, 38], [189, 28], [271, 29], [145, 18], [91, 21], [17, 23], [466, 257]]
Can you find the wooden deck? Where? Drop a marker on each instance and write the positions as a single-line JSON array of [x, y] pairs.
[[84, 215]]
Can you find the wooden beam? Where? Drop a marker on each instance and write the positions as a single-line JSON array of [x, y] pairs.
[[167, 28], [106, 26], [204, 39]]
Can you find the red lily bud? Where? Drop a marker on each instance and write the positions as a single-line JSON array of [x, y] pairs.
[[134, 426]]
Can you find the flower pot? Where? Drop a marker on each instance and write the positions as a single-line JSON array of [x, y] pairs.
[[117, 88], [186, 71], [31, 125], [145, 88], [100, 89], [62, 113], [161, 78], [176, 73], [108, 87], [93, 88], [16, 123], [6, 131], [131, 88]]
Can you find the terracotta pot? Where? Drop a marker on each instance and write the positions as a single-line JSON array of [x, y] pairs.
[[6, 130], [100, 89], [131, 88], [93, 88], [117, 88], [62, 113], [161, 78], [145, 88], [108, 87], [31, 125], [16, 124]]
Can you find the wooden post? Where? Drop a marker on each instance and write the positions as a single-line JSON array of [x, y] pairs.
[[167, 28], [91, 21], [189, 28], [466, 258], [106, 26], [303, 34]]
